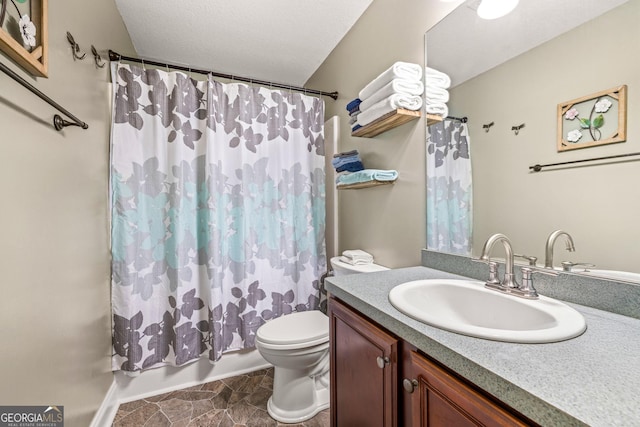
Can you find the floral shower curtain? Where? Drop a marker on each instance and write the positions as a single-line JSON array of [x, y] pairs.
[[218, 214], [449, 188]]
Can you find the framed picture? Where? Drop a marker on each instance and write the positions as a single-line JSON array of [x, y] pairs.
[[597, 119], [24, 35]]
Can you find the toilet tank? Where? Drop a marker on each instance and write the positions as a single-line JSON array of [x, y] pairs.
[[341, 268]]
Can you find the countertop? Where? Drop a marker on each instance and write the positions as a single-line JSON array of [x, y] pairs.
[[593, 379]]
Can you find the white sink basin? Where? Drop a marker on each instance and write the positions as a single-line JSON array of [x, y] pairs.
[[467, 307]]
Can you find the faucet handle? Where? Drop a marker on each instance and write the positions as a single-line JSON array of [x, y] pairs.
[[493, 273], [568, 265], [532, 259], [527, 290]]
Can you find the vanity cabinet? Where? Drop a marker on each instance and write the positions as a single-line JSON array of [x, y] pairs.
[[364, 371], [440, 399], [378, 379]]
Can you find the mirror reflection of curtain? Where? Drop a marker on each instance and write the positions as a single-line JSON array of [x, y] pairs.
[[218, 214], [449, 188]]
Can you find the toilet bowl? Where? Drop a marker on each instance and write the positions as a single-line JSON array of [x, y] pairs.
[[297, 345]]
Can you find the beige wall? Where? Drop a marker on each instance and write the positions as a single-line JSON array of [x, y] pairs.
[[598, 205], [54, 257], [387, 221]]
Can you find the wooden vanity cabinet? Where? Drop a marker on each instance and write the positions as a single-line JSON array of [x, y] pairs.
[[378, 379], [364, 371], [440, 399]]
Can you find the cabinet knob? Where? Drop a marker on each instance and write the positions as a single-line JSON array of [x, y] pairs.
[[409, 385], [382, 361]]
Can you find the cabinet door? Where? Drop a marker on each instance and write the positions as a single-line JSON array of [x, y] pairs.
[[441, 400], [363, 371]]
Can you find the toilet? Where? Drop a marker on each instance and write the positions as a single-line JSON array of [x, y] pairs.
[[297, 345]]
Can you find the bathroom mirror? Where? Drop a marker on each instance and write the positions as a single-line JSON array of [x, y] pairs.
[[516, 70]]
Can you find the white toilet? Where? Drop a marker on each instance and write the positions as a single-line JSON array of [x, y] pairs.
[[297, 345]]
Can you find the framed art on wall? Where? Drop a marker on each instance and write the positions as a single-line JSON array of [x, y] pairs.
[[24, 34], [593, 120]]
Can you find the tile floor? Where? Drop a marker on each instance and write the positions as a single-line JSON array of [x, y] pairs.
[[231, 402]]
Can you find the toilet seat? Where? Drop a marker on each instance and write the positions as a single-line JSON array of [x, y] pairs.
[[297, 330]]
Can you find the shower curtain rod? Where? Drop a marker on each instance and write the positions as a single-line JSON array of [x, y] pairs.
[[58, 122], [115, 56]]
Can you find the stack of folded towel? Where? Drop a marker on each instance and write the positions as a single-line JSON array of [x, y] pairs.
[[366, 175], [356, 257], [353, 108], [347, 162], [400, 86], [436, 93]]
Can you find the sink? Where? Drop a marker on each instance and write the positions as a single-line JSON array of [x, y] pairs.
[[467, 307]]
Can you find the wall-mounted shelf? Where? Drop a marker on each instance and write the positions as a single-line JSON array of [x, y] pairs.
[[363, 185], [432, 119], [388, 121]]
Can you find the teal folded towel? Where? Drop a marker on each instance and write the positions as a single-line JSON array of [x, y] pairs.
[[367, 175]]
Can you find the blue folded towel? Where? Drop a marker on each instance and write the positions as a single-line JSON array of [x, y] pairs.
[[351, 167], [346, 153], [341, 161], [355, 128], [353, 104], [367, 175]]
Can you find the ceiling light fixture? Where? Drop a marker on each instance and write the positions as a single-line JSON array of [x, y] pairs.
[[493, 9]]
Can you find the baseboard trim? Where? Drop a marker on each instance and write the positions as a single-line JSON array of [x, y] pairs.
[[107, 410]]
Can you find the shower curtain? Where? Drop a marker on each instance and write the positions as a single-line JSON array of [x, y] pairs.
[[217, 214], [449, 188]]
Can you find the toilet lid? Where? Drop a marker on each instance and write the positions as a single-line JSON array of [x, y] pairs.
[[295, 328]]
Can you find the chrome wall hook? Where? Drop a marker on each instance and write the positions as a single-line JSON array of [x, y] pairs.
[[97, 58], [75, 48], [516, 129], [487, 126]]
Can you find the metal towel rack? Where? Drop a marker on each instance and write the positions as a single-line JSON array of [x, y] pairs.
[[538, 168], [58, 121]]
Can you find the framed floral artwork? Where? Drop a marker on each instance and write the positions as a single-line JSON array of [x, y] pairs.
[[23, 34], [596, 119]]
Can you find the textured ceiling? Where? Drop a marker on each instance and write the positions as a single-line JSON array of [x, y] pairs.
[[464, 45], [282, 41]]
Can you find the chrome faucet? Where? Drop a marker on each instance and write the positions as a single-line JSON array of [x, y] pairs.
[[509, 281], [551, 240], [508, 284]]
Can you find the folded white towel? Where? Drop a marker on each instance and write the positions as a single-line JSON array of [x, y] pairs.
[[437, 78], [399, 70], [356, 257], [440, 109], [395, 86], [354, 261], [357, 254], [435, 95], [393, 102]]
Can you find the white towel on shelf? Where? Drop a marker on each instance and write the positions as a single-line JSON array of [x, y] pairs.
[[399, 70], [435, 95], [395, 86], [387, 105], [438, 109], [437, 78]]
